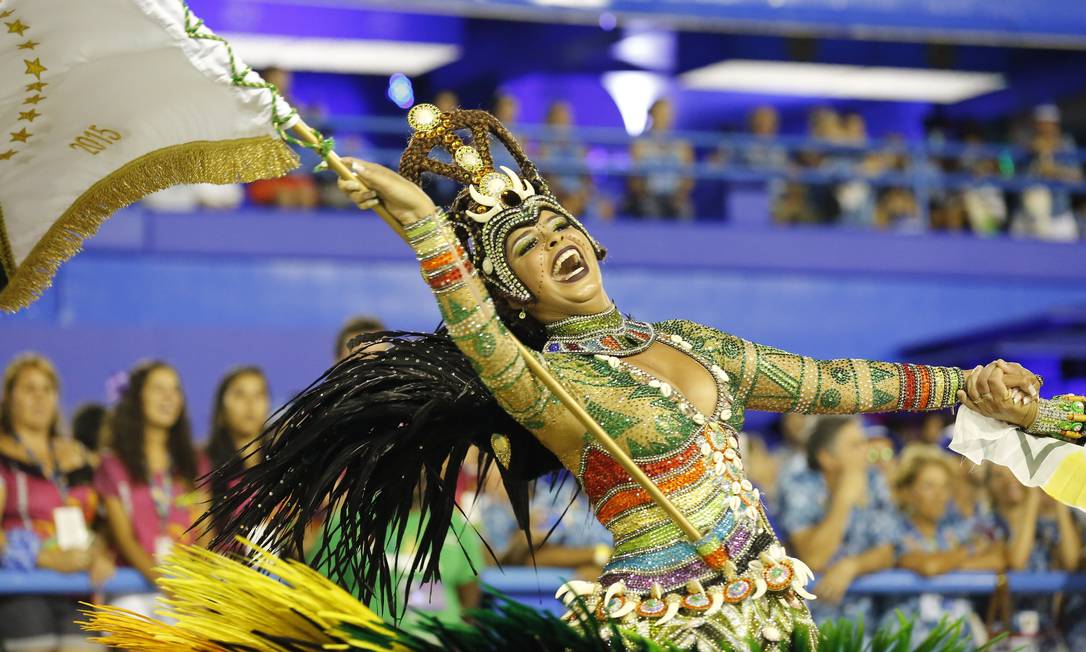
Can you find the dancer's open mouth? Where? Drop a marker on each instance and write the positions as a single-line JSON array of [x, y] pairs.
[[569, 265]]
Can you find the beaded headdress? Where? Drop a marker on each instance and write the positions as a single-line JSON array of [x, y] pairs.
[[493, 202]]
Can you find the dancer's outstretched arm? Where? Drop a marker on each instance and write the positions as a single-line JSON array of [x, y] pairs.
[[767, 378]]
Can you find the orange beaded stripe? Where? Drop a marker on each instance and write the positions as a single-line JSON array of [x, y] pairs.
[[636, 496], [601, 474], [442, 259]]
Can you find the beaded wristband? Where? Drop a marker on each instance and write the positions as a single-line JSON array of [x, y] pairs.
[[1062, 415], [418, 231]]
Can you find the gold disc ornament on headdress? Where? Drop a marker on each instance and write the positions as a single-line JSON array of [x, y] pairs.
[[494, 201]]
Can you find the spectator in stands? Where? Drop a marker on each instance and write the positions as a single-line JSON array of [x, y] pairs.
[[897, 207], [930, 541], [838, 519], [147, 480], [1046, 211], [664, 190], [788, 461], [506, 108], [89, 427], [297, 190], [1040, 534], [572, 187], [815, 203], [794, 430], [447, 100], [48, 505], [984, 203], [855, 197], [352, 328], [765, 153], [237, 418], [564, 530]]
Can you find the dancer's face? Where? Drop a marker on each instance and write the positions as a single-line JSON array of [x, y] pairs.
[[557, 263]]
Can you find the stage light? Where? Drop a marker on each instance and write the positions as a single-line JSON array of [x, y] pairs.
[[400, 91], [652, 49], [634, 92], [841, 81], [363, 57], [608, 21]]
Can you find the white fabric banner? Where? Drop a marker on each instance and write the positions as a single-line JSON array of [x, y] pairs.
[[105, 101], [1054, 465]]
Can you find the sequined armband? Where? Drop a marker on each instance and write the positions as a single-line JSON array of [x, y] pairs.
[[1061, 416], [445, 264], [929, 388]]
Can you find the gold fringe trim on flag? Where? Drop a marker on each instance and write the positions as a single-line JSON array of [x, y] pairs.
[[229, 161], [7, 259], [216, 604]]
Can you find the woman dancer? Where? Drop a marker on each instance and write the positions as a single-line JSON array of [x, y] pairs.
[[672, 394]]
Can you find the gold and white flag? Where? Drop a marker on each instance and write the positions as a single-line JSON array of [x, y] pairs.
[[105, 101]]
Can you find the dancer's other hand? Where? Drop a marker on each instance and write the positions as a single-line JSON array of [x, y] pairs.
[[1001, 381], [377, 185], [1004, 391]]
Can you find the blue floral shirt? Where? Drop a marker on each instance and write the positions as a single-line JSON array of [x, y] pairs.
[[803, 503], [928, 609]]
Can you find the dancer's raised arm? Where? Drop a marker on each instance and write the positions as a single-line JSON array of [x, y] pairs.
[[465, 304]]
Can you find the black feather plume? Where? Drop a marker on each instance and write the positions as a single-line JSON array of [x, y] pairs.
[[384, 431]]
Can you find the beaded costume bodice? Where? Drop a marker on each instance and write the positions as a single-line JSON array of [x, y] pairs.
[[695, 461]]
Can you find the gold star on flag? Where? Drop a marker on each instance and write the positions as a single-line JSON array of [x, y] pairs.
[[29, 115], [36, 87], [21, 136], [7, 13], [34, 67], [33, 100], [6, 155], [29, 45], [18, 27]]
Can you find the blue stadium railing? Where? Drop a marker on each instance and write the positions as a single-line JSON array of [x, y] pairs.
[[528, 583]]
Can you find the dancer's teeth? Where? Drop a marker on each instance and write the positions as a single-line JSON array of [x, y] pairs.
[[569, 256]]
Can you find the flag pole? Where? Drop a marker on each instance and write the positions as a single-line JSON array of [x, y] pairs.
[[538, 369]]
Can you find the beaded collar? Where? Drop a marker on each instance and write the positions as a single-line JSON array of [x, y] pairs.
[[605, 332]]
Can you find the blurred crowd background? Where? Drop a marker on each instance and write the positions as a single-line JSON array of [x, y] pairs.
[[891, 182]]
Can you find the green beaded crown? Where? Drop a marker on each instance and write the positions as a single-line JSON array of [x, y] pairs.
[[493, 202]]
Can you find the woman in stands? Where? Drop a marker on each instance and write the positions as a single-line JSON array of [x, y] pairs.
[[48, 502], [147, 481], [237, 419], [929, 543]]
